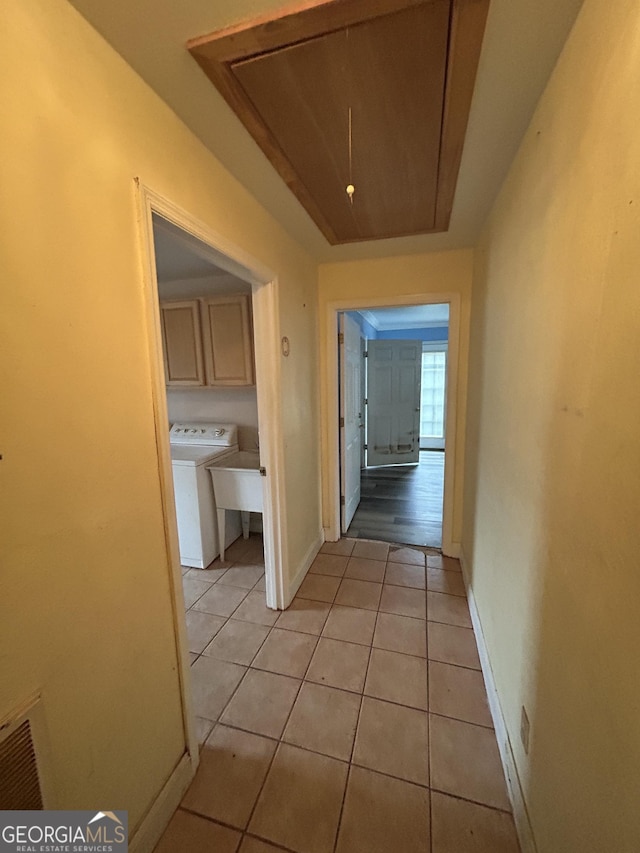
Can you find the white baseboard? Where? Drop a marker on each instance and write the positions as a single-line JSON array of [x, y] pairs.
[[329, 535], [452, 549], [299, 576], [520, 813], [157, 818]]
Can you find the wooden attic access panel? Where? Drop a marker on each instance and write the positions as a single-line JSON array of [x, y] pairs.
[[406, 70]]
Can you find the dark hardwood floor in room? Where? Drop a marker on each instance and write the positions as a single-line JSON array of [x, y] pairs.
[[402, 503]]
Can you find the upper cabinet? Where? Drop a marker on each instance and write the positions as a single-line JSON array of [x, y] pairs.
[[226, 329], [182, 342], [208, 341]]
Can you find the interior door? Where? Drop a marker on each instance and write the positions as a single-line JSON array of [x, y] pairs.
[[350, 419], [393, 408]]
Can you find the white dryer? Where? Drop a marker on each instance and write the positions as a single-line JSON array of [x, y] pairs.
[[193, 447]]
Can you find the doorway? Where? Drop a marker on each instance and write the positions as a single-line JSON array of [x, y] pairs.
[[429, 481], [401, 423], [211, 252]]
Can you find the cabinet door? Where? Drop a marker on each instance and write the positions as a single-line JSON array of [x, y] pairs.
[[182, 341], [228, 345]]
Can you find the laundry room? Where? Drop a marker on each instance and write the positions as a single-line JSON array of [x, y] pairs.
[[207, 337], [225, 392]]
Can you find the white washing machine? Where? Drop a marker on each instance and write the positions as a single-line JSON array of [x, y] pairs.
[[193, 447]]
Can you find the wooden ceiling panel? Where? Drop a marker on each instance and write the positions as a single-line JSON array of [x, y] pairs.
[[393, 70]]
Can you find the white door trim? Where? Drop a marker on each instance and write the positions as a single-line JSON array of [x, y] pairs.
[[332, 462], [266, 338], [351, 433]]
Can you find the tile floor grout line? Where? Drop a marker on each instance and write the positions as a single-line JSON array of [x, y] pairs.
[[458, 720], [297, 630], [426, 630], [469, 800], [367, 645], [376, 610], [355, 738], [430, 810], [344, 798], [236, 688], [459, 665], [305, 680], [283, 674], [437, 592], [389, 775], [273, 758], [430, 788], [346, 761], [426, 638], [452, 624], [259, 647], [218, 721], [199, 597], [209, 818], [265, 840], [279, 739], [333, 687]]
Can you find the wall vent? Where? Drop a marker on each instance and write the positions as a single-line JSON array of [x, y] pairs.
[[21, 734], [19, 782]]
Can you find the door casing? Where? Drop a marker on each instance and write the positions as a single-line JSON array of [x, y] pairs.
[[264, 286], [351, 419]]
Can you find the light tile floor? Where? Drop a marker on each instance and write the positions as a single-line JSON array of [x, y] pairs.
[[356, 721]]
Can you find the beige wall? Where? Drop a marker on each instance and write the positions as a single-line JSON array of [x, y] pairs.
[[552, 484], [85, 599], [408, 276]]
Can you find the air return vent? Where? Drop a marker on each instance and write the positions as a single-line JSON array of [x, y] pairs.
[[19, 783], [20, 775]]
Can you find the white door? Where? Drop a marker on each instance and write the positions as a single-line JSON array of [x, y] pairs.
[[393, 408], [350, 419]]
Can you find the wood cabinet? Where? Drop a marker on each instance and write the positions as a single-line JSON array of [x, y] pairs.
[[226, 331], [182, 342], [208, 341]]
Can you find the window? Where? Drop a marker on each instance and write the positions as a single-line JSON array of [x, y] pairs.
[[433, 395]]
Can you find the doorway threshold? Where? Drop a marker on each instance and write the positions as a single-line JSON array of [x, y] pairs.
[[402, 503]]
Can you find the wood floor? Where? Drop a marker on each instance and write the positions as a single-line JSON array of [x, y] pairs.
[[402, 503]]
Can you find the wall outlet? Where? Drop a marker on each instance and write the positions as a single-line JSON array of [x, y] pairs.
[[524, 730]]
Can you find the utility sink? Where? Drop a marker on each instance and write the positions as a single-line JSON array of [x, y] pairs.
[[237, 484]]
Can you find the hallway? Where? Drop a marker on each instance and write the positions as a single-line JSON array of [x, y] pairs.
[[356, 721], [402, 503]]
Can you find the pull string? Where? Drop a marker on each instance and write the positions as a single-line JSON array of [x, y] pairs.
[[350, 187]]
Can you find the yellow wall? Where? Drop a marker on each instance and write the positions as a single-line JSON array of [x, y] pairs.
[[552, 483], [85, 600], [414, 275]]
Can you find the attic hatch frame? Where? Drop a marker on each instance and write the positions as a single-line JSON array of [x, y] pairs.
[[225, 55]]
